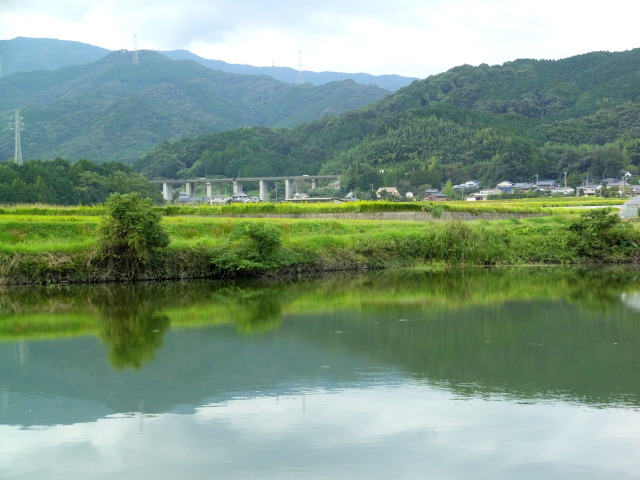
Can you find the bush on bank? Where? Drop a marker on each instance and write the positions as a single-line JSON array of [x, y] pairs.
[[130, 233]]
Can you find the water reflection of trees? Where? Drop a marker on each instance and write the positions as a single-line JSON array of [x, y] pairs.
[[131, 325], [251, 310], [132, 319]]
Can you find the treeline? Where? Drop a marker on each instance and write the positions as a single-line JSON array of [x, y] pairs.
[[60, 182]]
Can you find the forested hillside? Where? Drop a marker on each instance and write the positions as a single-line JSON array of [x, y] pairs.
[[59, 182], [113, 110], [516, 121]]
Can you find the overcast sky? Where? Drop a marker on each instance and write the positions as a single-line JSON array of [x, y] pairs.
[[406, 37]]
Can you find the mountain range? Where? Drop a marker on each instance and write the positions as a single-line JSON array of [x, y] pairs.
[[112, 109], [577, 118], [31, 54]]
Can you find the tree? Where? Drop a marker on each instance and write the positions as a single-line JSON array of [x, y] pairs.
[[130, 232], [360, 175], [448, 189]]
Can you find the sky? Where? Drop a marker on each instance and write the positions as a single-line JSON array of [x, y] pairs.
[[414, 38]]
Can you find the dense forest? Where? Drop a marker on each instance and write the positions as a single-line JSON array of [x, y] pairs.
[[113, 110], [61, 182], [518, 121]]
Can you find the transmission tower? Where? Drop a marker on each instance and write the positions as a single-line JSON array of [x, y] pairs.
[[136, 58], [300, 79], [17, 126]]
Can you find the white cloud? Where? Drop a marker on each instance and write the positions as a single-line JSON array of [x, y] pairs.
[[407, 37], [380, 432]]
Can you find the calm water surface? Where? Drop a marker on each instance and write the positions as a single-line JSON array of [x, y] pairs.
[[497, 374]]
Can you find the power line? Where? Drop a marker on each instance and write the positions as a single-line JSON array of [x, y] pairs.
[[17, 126], [300, 79], [136, 58]]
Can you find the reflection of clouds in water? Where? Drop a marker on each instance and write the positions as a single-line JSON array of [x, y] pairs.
[[404, 432], [631, 300]]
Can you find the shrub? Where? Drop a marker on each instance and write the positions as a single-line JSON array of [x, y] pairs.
[[130, 232], [599, 234], [253, 246]]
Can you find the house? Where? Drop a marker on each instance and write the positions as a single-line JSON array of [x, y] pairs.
[[483, 194], [562, 191], [436, 197], [546, 185], [524, 187], [506, 187], [390, 191], [590, 189], [184, 198], [471, 185], [614, 182]]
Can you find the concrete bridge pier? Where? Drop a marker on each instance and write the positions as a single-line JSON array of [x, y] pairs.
[[167, 191], [288, 188], [208, 189], [237, 186], [264, 194], [188, 188]]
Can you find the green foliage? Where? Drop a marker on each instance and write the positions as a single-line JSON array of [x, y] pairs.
[[253, 246], [448, 189], [60, 182], [130, 232], [600, 234]]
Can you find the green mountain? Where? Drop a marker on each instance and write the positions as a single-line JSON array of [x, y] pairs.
[[31, 54], [517, 121], [113, 110], [290, 75]]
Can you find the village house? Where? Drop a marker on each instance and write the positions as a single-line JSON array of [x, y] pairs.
[[436, 197], [483, 194], [590, 189], [546, 185], [523, 186], [505, 187], [390, 191]]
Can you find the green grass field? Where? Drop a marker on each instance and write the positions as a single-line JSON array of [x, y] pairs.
[[50, 243]]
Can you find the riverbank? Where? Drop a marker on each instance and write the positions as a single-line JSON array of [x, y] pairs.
[[63, 249]]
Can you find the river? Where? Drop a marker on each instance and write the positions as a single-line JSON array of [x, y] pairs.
[[462, 374]]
